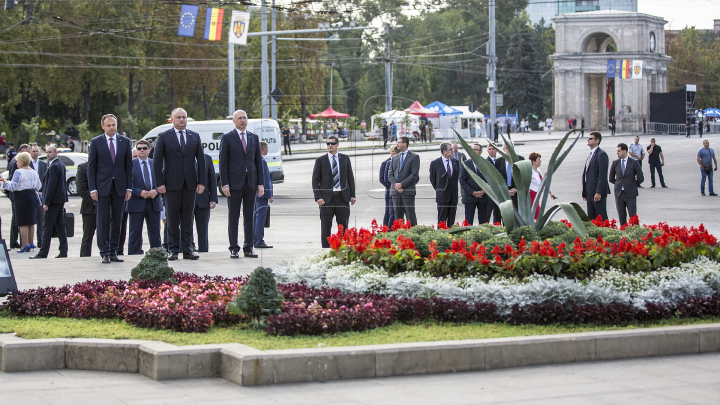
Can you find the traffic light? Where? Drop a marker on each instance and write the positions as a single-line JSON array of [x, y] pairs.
[[9, 4]]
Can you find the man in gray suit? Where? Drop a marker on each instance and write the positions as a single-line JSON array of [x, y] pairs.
[[403, 175], [627, 176]]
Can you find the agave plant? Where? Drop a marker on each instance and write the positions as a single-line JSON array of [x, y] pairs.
[[524, 215]]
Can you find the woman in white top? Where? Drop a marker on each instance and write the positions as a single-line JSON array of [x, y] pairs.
[[24, 185], [537, 176]]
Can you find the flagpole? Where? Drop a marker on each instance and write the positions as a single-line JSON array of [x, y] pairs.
[[264, 64], [231, 78]]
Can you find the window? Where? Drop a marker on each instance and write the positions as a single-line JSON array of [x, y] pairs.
[[66, 160], [217, 135]]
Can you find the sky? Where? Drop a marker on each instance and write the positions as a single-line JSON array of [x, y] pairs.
[[682, 13]]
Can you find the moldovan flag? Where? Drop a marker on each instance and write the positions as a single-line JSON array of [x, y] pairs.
[[213, 23], [239, 24], [637, 69], [625, 70]]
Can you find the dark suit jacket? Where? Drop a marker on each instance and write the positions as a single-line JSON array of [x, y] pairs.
[[446, 190], [408, 177], [384, 175], [595, 177], [136, 203], [42, 168], [468, 184], [267, 182], [460, 157], [322, 180], [501, 165], [211, 192], [54, 188], [238, 166], [630, 181], [101, 170], [173, 167], [88, 204]]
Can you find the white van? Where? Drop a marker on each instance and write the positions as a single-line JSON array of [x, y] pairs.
[[211, 132]]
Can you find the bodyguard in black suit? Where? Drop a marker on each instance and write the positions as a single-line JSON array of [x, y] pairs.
[[110, 183], [333, 184], [444, 175], [627, 175], [499, 164], [144, 205], [40, 167], [179, 179], [54, 199], [241, 173], [204, 203], [87, 210], [473, 195], [506, 172], [389, 216], [595, 178]]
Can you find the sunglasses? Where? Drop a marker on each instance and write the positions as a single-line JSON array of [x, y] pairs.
[[331, 143], [143, 148]]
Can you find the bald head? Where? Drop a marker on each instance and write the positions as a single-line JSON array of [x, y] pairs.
[[179, 119], [240, 119]]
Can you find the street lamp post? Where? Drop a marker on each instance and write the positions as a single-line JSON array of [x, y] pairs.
[[332, 68]]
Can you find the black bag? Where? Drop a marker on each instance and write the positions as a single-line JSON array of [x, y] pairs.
[[267, 218], [69, 225], [707, 167]]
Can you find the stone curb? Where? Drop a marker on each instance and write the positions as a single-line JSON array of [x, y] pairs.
[[246, 366]]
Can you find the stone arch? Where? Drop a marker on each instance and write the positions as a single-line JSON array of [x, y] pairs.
[[597, 41]]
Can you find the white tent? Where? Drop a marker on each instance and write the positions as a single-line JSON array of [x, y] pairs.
[[464, 124], [391, 116], [469, 120]]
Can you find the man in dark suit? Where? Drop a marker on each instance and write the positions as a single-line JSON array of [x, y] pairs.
[[12, 166], [262, 203], [241, 178], [204, 203], [474, 196], [457, 155], [144, 205], [333, 184], [595, 178], [627, 176], [444, 175], [179, 179], [40, 167], [499, 164], [54, 199], [506, 171], [87, 210], [403, 176], [389, 216], [110, 182]]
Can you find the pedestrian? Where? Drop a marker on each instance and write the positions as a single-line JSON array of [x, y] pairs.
[[499, 164], [656, 160], [393, 130], [496, 129], [582, 126], [687, 128], [204, 203], [574, 122], [10, 153], [637, 152], [700, 127], [54, 196], [262, 202], [2, 141], [644, 122], [456, 154], [363, 124], [333, 184], [40, 168], [71, 144], [286, 140], [144, 204], [612, 125], [24, 185], [152, 149], [570, 127], [404, 175], [522, 125], [389, 215], [110, 182], [444, 175], [12, 166], [508, 126], [423, 130], [385, 134], [595, 178], [548, 125], [430, 128], [415, 130], [241, 176], [705, 158], [626, 175], [87, 210], [536, 181], [473, 196], [58, 140]]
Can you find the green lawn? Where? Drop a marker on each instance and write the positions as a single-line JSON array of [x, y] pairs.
[[39, 327]]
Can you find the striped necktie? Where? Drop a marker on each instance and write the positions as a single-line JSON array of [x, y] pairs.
[[335, 173]]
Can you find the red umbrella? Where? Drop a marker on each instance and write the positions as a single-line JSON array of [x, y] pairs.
[[330, 113], [417, 109]]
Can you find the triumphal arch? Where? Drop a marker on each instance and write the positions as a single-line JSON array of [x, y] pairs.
[[584, 43]]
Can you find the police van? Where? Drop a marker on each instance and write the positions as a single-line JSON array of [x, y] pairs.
[[211, 132]]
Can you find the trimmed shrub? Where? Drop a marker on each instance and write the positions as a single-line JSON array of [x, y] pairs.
[[258, 298], [154, 266]]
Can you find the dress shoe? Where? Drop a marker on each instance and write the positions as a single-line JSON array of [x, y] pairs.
[[653, 186], [702, 194], [120, 253], [234, 254], [263, 246], [664, 186], [173, 256], [190, 256], [713, 194], [61, 255], [39, 256], [106, 259], [114, 258], [250, 253]]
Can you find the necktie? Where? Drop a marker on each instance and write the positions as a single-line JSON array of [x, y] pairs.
[[336, 174], [182, 141], [447, 167], [146, 175], [508, 169], [242, 139], [623, 166], [402, 160], [112, 150]]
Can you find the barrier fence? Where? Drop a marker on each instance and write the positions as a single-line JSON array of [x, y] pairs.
[[679, 129]]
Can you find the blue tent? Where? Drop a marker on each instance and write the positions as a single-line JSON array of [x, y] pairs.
[[711, 112], [443, 109]]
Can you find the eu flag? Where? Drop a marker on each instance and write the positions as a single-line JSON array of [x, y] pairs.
[[611, 63], [188, 17]]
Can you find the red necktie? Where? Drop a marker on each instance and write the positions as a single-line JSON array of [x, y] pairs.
[[449, 172], [112, 150]]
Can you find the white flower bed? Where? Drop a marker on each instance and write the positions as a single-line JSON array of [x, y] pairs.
[[668, 286]]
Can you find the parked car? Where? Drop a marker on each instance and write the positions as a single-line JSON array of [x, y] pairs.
[[71, 162]]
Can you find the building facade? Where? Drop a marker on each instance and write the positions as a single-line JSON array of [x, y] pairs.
[[548, 9]]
